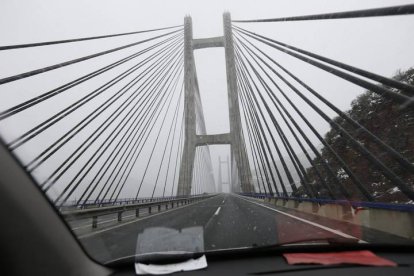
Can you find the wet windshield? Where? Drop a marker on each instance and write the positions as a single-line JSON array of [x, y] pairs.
[[160, 128]]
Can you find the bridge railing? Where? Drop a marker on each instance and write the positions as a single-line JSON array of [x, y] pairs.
[[393, 218], [119, 209], [108, 202], [354, 204]]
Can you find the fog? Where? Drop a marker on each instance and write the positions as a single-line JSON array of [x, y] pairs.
[[381, 45]]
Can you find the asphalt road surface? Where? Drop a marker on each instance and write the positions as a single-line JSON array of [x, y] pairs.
[[228, 221]]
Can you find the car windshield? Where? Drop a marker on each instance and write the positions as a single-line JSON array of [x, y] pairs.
[[161, 128]]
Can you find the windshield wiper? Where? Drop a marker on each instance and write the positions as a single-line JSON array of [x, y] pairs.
[[329, 240], [179, 256], [168, 257], [304, 268], [314, 242]]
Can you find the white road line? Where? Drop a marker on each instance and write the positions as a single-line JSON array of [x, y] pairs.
[[211, 218], [139, 219], [339, 233], [218, 211]]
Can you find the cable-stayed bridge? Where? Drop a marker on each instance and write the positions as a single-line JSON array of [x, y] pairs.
[[120, 144]]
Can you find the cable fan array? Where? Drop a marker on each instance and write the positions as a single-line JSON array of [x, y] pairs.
[[118, 131], [277, 127]]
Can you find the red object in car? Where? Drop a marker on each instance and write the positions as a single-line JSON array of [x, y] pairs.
[[363, 257]]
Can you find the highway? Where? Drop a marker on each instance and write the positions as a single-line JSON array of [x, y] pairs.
[[229, 221]]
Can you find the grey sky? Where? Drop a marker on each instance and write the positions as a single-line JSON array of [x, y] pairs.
[[381, 45]]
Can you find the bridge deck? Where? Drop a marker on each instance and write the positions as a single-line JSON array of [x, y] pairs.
[[229, 221]]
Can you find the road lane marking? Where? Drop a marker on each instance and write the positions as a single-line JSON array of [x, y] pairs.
[[139, 219], [218, 211], [211, 218], [339, 233]]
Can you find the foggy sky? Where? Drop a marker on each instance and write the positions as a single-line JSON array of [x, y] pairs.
[[380, 45]]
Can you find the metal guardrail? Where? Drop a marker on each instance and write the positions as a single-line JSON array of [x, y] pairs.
[[391, 218], [364, 204], [94, 213], [105, 202]]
